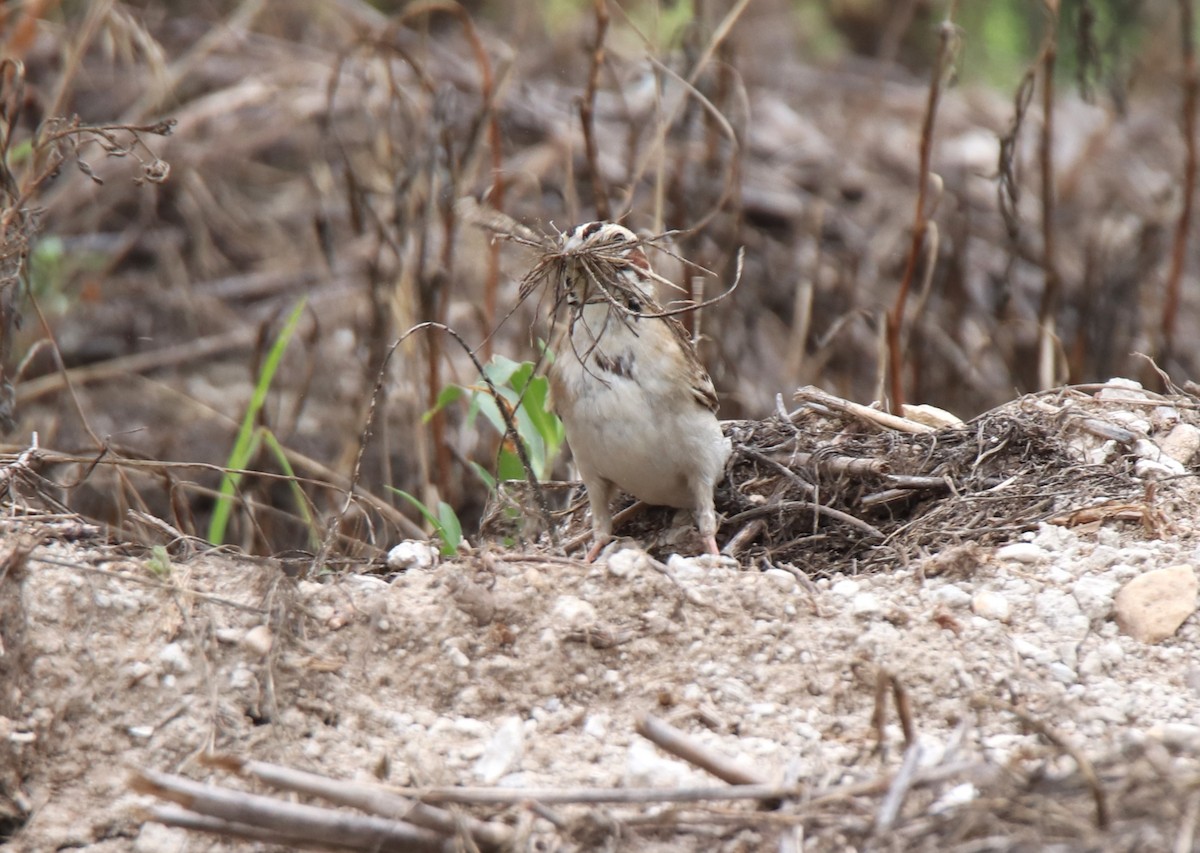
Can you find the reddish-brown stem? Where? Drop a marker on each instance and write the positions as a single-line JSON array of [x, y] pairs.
[[1191, 88]]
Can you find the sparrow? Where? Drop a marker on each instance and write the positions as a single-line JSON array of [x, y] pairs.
[[638, 408]]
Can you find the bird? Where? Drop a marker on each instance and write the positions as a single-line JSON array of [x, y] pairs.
[[637, 406]]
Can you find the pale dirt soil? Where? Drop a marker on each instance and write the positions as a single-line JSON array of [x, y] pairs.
[[405, 678]]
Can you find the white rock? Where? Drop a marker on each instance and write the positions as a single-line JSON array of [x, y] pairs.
[[503, 752], [411, 554], [1181, 443], [1028, 650], [1094, 594], [1055, 537], [627, 563], [991, 605], [596, 725], [1163, 468], [1119, 388], [1111, 652], [785, 580], [952, 596], [156, 838], [645, 768], [1151, 607], [242, 678], [846, 588], [1183, 737], [175, 658], [1061, 613], [1059, 671], [1021, 552], [573, 613], [957, 796], [686, 567], [1164, 417], [865, 604], [258, 640], [1058, 575], [1131, 421], [1091, 665], [310, 588]]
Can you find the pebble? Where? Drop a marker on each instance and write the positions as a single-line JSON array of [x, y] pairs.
[[645, 768], [1181, 443], [785, 580], [959, 795], [503, 753], [846, 588], [952, 596], [627, 563], [411, 554], [1061, 613], [573, 613], [866, 604], [1183, 737], [156, 838], [1094, 594], [1120, 388], [1151, 607], [991, 605], [1060, 672], [1021, 552], [175, 658], [1030, 651], [596, 725], [258, 640]]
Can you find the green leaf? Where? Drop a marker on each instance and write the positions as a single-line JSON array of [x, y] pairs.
[[247, 441], [483, 474], [450, 394], [509, 467], [445, 523], [500, 369], [314, 532], [451, 527]]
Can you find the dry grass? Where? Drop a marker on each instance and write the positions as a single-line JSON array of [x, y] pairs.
[[324, 154]]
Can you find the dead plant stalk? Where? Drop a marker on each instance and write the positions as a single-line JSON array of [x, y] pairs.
[[1191, 91], [1052, 284], [895, 317]]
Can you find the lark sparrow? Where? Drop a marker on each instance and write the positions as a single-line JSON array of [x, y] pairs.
[[638, 408]]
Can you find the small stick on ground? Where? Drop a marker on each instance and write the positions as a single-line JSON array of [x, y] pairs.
[[1086, 769], [672, 740]]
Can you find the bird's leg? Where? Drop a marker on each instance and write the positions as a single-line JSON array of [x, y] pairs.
[[706, 517], [600, 493]]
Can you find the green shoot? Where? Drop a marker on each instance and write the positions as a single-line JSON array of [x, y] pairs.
[[445, 522], [248, 438]]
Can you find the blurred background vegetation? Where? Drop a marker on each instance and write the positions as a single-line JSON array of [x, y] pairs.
[[320, 148]]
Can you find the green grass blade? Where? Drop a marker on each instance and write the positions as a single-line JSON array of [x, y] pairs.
[[247, 441], [314, 535]]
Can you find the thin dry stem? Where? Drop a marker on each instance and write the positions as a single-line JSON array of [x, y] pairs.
[[1052, 282], [1183, 226], [947, 37]]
